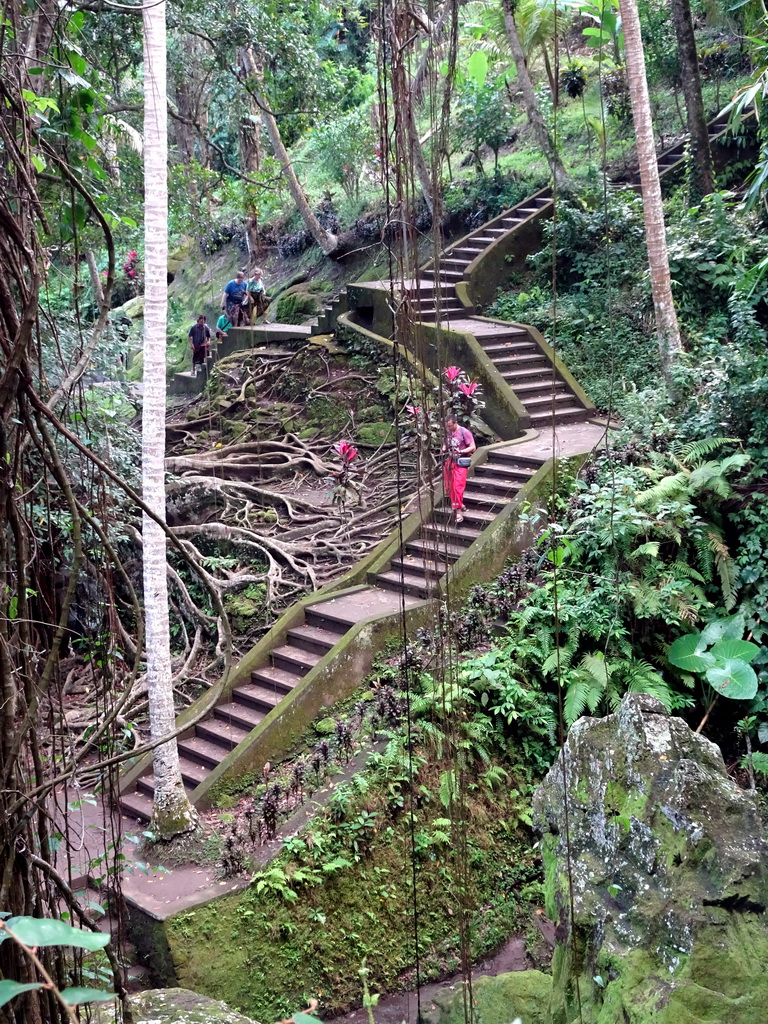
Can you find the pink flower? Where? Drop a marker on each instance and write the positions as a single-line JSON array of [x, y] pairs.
[[452, 373], [104, 273], [468, 389], [414, 410], [345, 450]]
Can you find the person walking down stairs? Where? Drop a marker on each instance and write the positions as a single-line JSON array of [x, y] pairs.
[[457, 449], [234, 299], [257, 296], [199, 336]]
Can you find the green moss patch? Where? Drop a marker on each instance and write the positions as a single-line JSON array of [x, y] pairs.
[[266, 955]]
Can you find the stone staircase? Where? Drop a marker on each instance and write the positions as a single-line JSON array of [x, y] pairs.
[[424, 559], [671, 159], [414, 573], [325, 323], [453, 261], [229, 723]]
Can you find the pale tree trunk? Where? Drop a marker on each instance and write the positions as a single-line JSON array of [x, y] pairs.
[[703, 174], [327, 241], [529, 94], [667, 329], [172, 812]]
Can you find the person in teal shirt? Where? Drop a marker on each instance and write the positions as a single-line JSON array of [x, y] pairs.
[[223, 326]]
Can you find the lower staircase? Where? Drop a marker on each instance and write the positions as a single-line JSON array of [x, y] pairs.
[[413, 575], [426, 558]]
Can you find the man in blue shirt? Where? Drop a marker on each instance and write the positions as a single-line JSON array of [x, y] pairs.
[[232, 298]]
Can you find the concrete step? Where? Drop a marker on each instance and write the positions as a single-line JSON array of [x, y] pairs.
[[136, 805], [322, 617], [452, 263], [500, 471], [259, 697], [467, 252], [527, 373], [534, 403], [431, 316], [273, 678], [563, 415], [410, 583], [494, 486], [310, 638], [224, 733], [534, 388], [511, 458], [146, 783], [442, 533], [412, 565], [482, 500], [293, 659], [477, 518], [511, 361], [201, 751], [192, 771], [242, 715], [435, 549], [444, 275]]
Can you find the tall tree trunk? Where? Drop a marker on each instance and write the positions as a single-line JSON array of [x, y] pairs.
[[529, 94], [704, 178], [172, 812], [667, 329], [327, 241], [419, 161], [250, 159], [250, 126]]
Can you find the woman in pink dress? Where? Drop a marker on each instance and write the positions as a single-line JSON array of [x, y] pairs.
[[458, 445]]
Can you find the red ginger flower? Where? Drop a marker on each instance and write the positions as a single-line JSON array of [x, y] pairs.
[[452, 372], [469, 389], [347, 451]]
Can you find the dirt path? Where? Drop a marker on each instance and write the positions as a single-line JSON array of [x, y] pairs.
[[400, 1007]]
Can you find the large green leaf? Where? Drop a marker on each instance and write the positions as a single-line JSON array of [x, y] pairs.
[[304, 1018], [477, 67], [42, 931], [731, 628], [76, 996], [741, 649], [735, 679], [10, 989], [686, 653]]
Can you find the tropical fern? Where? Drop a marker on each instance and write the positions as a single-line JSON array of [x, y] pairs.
[[725, 565], [695, 450], [759, 763]]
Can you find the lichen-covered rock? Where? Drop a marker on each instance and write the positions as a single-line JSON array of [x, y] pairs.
[[495, 1000], [180, 1006], [663, 862]]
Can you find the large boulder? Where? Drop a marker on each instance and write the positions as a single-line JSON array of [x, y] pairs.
[[656, 876], [180, 1006], [522, 995]]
